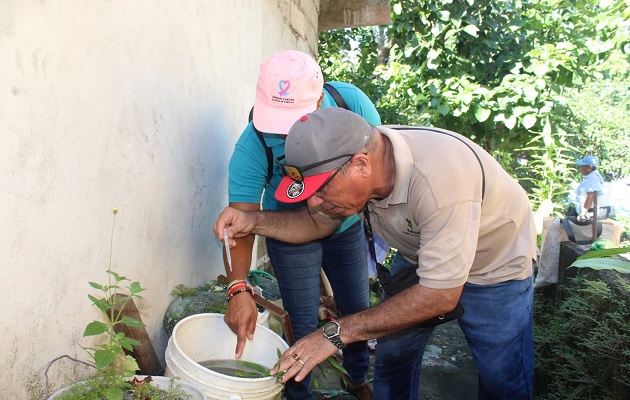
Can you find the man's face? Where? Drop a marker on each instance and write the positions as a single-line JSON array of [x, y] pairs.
[[585, 169], [341, 196]]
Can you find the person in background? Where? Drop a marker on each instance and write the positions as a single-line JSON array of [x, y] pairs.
[[463, 227], [290, 84], [591, 184]]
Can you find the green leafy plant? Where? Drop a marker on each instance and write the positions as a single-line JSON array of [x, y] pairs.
[[114, 367], [602, 259], [582, 344], [109, 357]]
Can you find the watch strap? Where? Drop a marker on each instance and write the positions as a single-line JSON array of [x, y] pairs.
[[334, 339]]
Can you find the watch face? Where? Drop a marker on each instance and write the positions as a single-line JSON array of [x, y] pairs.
[[331, 329]]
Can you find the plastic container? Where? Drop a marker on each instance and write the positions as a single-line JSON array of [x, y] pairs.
[[204, 337], [159, 381]]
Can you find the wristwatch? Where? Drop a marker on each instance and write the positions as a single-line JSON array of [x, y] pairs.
[[332, 331]]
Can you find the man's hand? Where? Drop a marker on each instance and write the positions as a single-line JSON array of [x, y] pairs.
[[303, 356], [241, 316], [239, 224]]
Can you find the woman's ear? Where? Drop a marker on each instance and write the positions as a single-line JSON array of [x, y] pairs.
[[320, 101]]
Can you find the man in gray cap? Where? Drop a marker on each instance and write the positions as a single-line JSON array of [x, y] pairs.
[[457, 219]]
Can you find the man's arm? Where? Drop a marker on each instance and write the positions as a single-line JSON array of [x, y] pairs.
[[299, 225], [402, 311], [407, 308], [588, 203]]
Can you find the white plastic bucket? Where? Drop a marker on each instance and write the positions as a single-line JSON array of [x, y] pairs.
[[204, 337]]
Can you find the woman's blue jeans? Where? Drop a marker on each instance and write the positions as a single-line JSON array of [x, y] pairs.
[[297, 268], [498, 325]]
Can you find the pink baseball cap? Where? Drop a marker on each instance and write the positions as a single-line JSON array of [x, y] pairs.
[[289, 85]]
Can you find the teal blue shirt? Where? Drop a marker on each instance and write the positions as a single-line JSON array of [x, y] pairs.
[[248, 165]]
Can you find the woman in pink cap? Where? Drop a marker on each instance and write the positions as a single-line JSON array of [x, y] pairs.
[[290, 85]]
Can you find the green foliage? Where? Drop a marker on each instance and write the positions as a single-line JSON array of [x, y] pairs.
[[492, 70], [601, 260], [625, 234], [109, 358], [582, 347], [506, 74], [133, 390], [113, 366], [598, 112]]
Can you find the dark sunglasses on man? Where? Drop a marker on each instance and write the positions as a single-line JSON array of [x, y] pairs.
[[297, 173]]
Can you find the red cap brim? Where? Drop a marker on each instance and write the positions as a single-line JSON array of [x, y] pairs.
[[290, 191]]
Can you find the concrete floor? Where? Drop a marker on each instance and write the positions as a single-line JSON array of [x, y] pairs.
[[448, 371]]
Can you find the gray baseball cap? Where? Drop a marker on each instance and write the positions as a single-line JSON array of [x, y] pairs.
[[316, 145]]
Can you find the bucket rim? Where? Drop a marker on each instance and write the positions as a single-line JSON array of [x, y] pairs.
[[173, 338]]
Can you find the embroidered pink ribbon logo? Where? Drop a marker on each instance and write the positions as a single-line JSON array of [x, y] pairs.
[[283, 89]]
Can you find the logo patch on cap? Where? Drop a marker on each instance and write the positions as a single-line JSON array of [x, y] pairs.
[[295, 189]]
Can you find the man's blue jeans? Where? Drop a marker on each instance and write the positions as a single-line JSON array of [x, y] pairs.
[[297, 267], [498, 325]]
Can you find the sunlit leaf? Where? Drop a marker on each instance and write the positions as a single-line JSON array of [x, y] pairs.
[[482, 114], [603, 264], [604, 253], [511, 121], [472, 30], [529, 120]]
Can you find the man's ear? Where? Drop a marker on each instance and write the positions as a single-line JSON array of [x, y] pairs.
[[362, 162]]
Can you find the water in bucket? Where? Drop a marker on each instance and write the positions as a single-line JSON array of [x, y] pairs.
[[242, 369]]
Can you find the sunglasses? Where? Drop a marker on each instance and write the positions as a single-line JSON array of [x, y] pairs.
[[318, 192], [297, 173]]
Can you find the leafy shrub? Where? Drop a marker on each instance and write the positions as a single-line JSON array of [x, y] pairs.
[[583, 345]]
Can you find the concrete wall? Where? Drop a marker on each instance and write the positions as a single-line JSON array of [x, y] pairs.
[[127, 104]]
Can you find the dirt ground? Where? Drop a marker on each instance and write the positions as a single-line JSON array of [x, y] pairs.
[[448, 371]]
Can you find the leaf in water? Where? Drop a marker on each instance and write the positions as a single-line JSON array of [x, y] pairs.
[[277, 364], [620, 266], [262, 371]]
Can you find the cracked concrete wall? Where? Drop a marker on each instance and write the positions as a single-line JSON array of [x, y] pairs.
[[134, 105]]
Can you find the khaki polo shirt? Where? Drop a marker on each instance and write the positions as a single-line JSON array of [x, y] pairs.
[[435, 216]]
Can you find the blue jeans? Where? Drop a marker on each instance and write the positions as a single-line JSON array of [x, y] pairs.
[[297, 268], [498, 325]]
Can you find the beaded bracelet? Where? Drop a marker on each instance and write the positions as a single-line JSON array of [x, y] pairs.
[[248, 289], [233, 288]]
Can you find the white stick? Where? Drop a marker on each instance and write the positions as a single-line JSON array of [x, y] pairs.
[[227, 247]]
